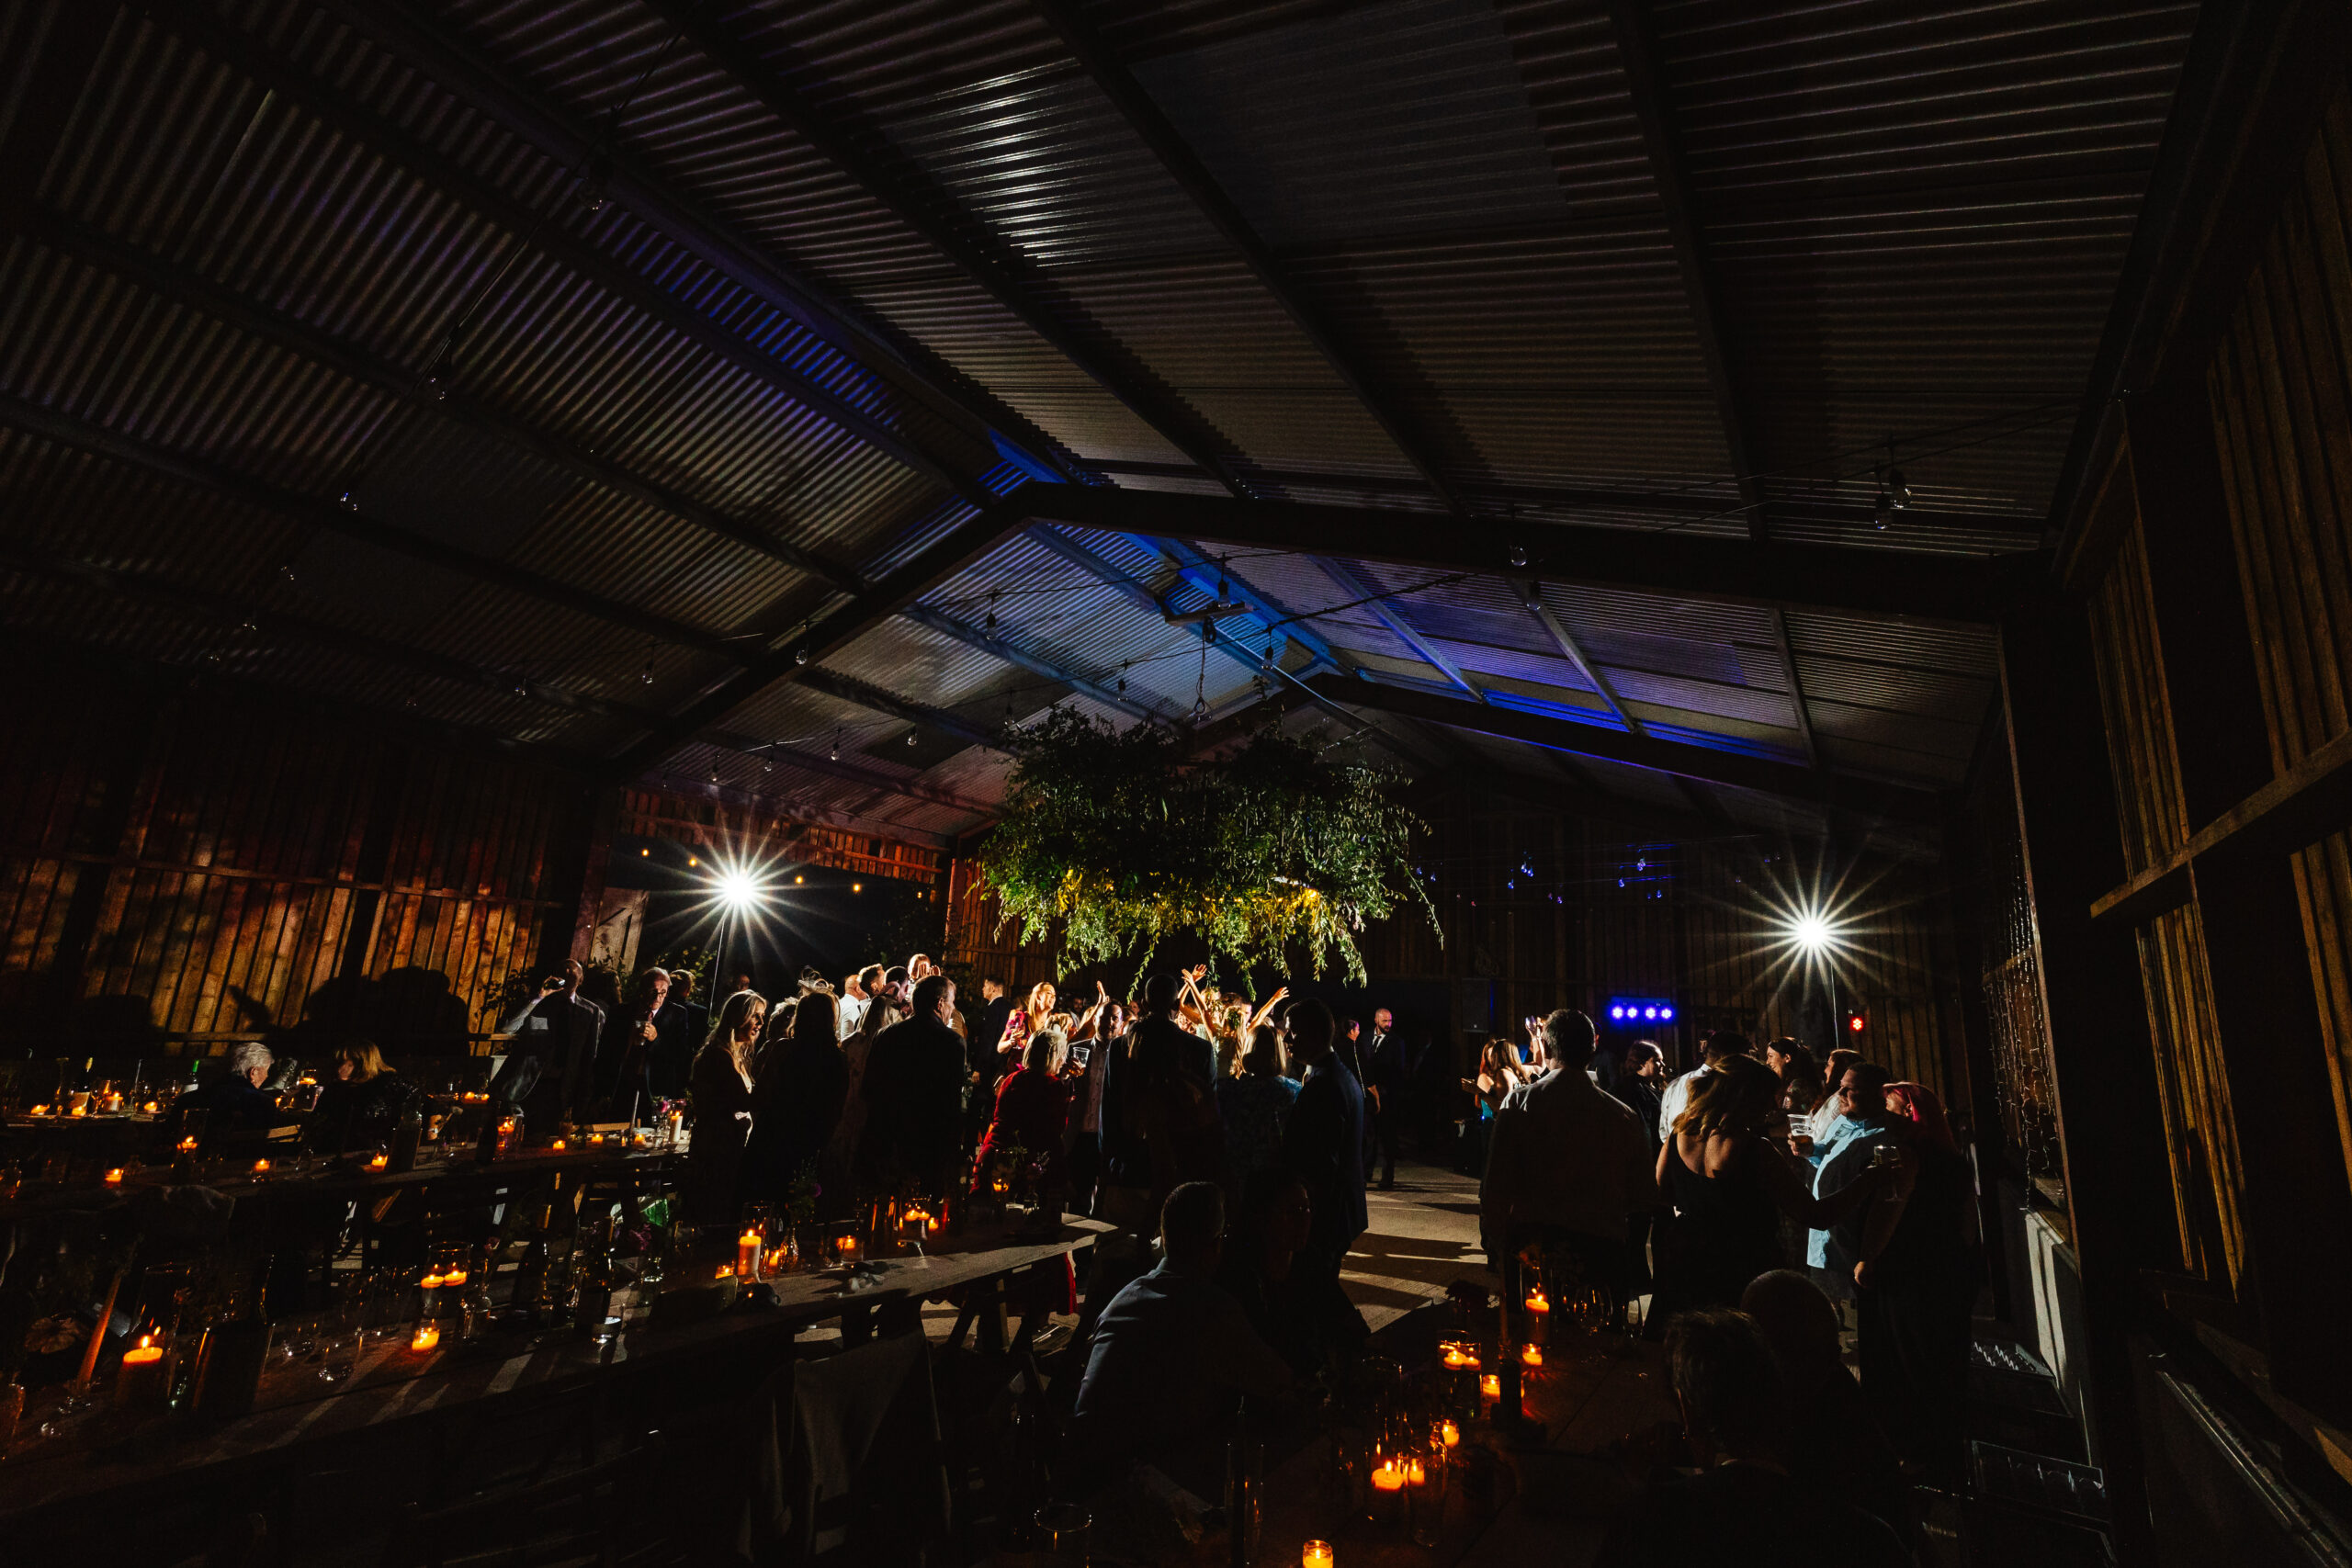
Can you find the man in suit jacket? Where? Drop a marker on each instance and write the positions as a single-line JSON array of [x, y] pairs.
[[564, 1030], [1394, 1065], [1323, 1145], [649, 1052]]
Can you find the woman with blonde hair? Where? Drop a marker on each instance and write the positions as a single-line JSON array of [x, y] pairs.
[[1031, 1111], [1026, 1019], [721, 1086], [1721, 1167]]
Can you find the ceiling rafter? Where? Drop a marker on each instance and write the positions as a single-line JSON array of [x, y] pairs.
[[195, 292], [1036, 663], [240, 614], [1153, 128], [1637, 53], [1205, 574], [1703, 763], [915, 199], [851, 772], [861, 694], [1913, 584], [345, 114], [1370, 596], [894, 593], [878, 344], [200, 474]]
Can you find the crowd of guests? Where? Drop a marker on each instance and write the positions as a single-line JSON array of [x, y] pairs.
[[1754, 1198], [1680, 1188]]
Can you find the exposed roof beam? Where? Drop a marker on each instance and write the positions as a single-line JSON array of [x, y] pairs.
[[856, 818], [1642, 751], [203, 606], [1030, 660], [1567, 799], [1368, 596], [461, 72], [1532, 595], [1637, 54], [1204, 574], [198, 474], [1135, 593], [345, 114], [1804, 713], [1679, 505], [916, 201], [198, 293], [1184, 166], [1972, 590], [963, 544], [859, 694], [853, 772]]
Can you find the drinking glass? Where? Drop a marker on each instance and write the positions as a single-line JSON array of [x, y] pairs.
[[1062, 1531]]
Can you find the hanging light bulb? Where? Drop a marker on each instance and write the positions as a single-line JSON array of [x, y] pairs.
[[1519, 555], [1123, 681], [837, 746], [1881, 511], [800, 656], [1898, 490], [911, 738]]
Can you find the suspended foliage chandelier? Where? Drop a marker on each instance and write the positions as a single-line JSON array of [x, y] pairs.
[[1123, 841]]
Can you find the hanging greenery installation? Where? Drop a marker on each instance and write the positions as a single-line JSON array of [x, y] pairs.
[[1123, 840]]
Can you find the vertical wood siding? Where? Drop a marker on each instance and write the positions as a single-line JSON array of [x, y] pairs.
[[2192, 1084], [2281, 390], [209, 845]]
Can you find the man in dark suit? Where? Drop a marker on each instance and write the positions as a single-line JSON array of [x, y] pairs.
[[649, 1052], [1395, 1084], [564, 1030], [913, 1090], [1323, 1145]]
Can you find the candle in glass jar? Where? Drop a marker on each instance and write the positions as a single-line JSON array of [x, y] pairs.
[[1531, 1355], [380, 1162], [40, 1110], [557, 1145], [140, 1384], [747, 1253], [1490, 1386], [1538, 1302], [151, 1108], [114, 1176], [849, 1245], [187, 1145], [1449, 1435], [1316, 1554], [1414, 1474], [427, 1336], [1389, 1477], [261, 1167], [726, 1271], [454, 1278]]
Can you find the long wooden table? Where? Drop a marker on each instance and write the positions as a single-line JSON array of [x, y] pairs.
[[404, 1402]]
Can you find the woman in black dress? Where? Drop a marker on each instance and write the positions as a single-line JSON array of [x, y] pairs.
[[721, 1086], [1729, 1182]]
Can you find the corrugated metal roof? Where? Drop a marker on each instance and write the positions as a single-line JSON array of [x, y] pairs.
[[1916, 215]]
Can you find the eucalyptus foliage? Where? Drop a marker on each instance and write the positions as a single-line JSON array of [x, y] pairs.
[[1122, 840]]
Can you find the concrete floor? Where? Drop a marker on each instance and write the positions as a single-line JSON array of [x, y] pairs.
[[1421, 1237]]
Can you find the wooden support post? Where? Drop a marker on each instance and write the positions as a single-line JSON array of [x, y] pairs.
[[2109, 1120], [2274, 1046]]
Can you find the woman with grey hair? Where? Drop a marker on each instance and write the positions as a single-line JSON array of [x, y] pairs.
[[1031, 1112], [233, 1096]]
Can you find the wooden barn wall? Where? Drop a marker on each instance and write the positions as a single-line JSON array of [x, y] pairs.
[[1538, 911], [183, 864], [2192, 1082], [2281, 390]]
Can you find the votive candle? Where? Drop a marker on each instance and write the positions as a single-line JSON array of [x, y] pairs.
[[1538, 1302], [1414, 1474], [1450, 1434], [1490, 1386], [114, 1176], [426, 1337], [140, 1384], [1389, 1477], [747, 1253], [1531, 1355], [380, 1162], [1316, 1554], [261, 1167]]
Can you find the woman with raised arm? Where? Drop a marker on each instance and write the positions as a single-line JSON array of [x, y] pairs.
[[1026, 1019]]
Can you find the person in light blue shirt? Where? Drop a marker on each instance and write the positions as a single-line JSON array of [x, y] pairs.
[[1860, 1097]]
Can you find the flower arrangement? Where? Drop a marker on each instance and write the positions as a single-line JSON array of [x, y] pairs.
[[1122, 837]]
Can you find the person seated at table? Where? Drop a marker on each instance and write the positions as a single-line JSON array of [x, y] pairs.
[[1169, 1355], [234, 1098], [1277, 1219], [1744, 1506], [1837, 1447], [361, 1103], [1032, 1114]]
